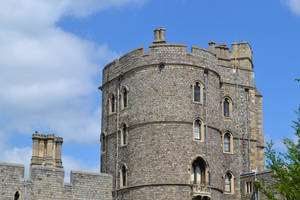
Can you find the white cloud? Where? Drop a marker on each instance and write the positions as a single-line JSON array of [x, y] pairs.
[[294, 5], [11, 154], [38, 15], [48, 76]]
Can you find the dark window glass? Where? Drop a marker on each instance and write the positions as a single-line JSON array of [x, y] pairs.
[[103, 143], [124, 134], [125, 98], [123, 175], [227, 142], [197, 92], [226, 107], [113, 103], [17, 195]]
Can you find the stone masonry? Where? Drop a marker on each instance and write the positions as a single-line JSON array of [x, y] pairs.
[[160, 148], [46, 179]]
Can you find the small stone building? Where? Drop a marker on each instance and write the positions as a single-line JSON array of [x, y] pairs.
[[180, 124]]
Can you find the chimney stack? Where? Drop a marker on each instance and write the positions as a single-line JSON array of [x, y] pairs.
[[159, 35], [46, 150]]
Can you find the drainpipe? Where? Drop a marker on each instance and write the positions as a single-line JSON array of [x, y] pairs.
[[247, 126], [205, 123], [255, 192], [117, 143], [25, 189]]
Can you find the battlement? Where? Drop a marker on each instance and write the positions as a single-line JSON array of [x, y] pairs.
[[160, 52], [240, 55], [47, 181], [167, 53]]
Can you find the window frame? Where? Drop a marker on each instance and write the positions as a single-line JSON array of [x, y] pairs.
[[248, 187], [201, 88], [201, 129], [123, 89], [123, 143], [230, 142], [203, 173], [230, 108], [112, 104], [231, 180], [121, 173]]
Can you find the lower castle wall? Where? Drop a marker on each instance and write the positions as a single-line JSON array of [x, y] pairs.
[[11, 180], [265, 176], [48, 183]]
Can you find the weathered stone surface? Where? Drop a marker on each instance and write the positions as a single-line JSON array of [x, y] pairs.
[[160, 116], [48, 183]]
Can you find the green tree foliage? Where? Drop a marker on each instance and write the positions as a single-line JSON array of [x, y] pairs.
[[286, 168]]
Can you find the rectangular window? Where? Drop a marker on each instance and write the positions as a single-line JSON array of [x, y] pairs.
[[248, 187]]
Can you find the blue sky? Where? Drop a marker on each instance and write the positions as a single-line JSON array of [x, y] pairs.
[[52, 54]]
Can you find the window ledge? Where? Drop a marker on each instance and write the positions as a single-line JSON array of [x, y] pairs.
[[197, 102], [113, 113], [231, 193], [227, 118], [230, 153], [124, 109], [123, 145], [196, 140]]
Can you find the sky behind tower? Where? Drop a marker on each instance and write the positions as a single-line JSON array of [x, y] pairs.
[[52, 53]]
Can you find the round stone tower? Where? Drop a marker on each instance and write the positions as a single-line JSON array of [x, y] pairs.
[[180, 125]]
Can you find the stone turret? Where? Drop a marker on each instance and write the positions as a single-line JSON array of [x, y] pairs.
[[173, 139], [46, 150]]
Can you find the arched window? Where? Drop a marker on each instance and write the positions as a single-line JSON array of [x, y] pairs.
[[124, 98], [17, 195], [227, 107], [198, 130], [112, 103], [198, 172], [227, 143], [123, 176], [197, 91], [228, 183], [124, 134]]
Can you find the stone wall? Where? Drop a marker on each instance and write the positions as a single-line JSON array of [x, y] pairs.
[[11, 180], [48, 183], [264, 175]]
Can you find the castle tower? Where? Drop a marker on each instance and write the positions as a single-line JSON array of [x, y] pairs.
[[181, 125], [46, 150]]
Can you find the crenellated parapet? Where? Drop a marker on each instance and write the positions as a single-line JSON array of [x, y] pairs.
[[160, 53], [240, 55], [46, 177]]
